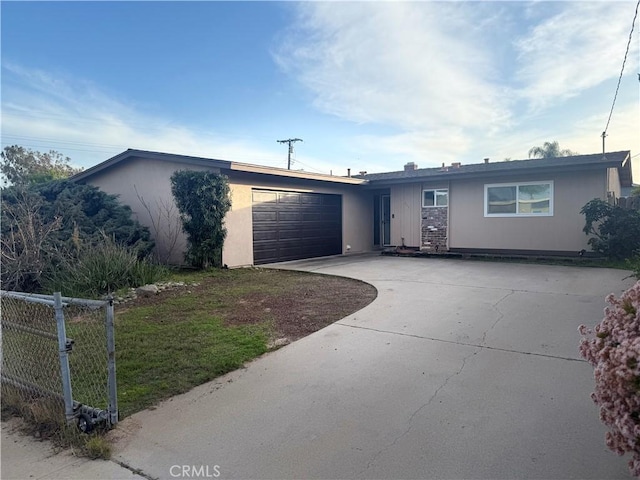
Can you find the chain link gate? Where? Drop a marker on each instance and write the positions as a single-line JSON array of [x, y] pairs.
[[58, 358]]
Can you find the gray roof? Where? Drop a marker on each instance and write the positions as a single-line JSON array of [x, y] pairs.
[[132, 153], [621, 160], [212, 163]]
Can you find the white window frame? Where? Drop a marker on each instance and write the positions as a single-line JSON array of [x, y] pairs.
[[517, 185], [436, 192]]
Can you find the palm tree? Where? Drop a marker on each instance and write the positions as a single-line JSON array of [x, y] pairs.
[[550, 150]]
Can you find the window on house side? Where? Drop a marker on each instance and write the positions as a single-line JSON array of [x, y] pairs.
[[529, 199], [435, 198]]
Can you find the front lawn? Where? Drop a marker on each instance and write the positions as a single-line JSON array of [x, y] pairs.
[[171, 342]]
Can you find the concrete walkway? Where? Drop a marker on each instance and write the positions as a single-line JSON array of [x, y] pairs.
[[459, 369]]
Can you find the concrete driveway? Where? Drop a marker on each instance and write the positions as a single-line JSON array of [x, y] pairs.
[[459, 369]]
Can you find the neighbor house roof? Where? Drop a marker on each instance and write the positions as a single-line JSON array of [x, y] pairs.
[[213, 163], [620, 160]]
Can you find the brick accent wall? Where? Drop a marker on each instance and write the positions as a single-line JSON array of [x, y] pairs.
[[434, 229]]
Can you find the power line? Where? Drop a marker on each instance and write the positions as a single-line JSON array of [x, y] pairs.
[[47, 140], [291, 141], [633, 24]]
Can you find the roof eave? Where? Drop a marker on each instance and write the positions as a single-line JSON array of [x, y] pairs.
[[298, 174], [166, 157], [452, 174]]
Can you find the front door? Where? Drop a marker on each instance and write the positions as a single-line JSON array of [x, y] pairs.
[[385, 219]]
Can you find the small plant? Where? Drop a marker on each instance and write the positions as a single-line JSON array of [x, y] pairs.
[[101, 269], [613, 348], [633, 264], [96, 446]]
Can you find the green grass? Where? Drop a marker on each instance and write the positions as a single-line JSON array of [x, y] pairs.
[[159, 358], [169, 344], [170, 347]]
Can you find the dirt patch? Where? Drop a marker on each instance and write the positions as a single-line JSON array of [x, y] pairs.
[[309, 303], [295, 303]]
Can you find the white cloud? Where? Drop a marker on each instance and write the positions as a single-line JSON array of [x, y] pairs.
[[576, 49], [410, 65], [428, 82], [45, 111], [462, 80]]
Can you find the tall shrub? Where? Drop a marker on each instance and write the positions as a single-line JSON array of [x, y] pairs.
[[615, 230], [27, 244], [47, 224], [613, 348], [203, 201]]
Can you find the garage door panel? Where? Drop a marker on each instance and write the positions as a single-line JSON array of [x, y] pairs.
[[260, 196], [288, 197], [311, 199], [270, 236], [335, 200], [289, 234], [295, 225], [262, 216], [311, 216], [289, 216]]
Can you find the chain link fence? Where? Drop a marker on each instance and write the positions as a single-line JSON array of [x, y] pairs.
[[58, 359]]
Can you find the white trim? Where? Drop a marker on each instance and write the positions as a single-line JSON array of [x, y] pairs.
[[435, 194], [518, 184]]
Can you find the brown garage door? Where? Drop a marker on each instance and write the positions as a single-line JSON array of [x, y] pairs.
[[295, 225]]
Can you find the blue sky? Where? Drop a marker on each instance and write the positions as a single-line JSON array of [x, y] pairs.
[[366, 85]]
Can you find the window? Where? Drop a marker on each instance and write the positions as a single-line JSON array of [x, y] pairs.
[[529, 199], [435, 198]]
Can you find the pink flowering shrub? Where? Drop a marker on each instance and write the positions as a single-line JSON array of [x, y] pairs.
[[613, 348]]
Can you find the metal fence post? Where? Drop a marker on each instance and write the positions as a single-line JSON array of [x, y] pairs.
[[63, 349], [111, 353]]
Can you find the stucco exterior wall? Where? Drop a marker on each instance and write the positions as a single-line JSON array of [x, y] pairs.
[[469, 228], [151, 181]]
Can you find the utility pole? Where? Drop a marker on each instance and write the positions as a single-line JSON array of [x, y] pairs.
[[290, 141]]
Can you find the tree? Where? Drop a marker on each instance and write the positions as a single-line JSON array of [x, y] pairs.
[[203, 200], [550, 150], [635, 191], [615, 230], [21, 166]]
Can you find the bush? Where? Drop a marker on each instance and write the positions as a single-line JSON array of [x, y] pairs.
[[44, 225], [634, 264], [102, 269], [26, 242], [203, 200], [613, 348], [615, 230]]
